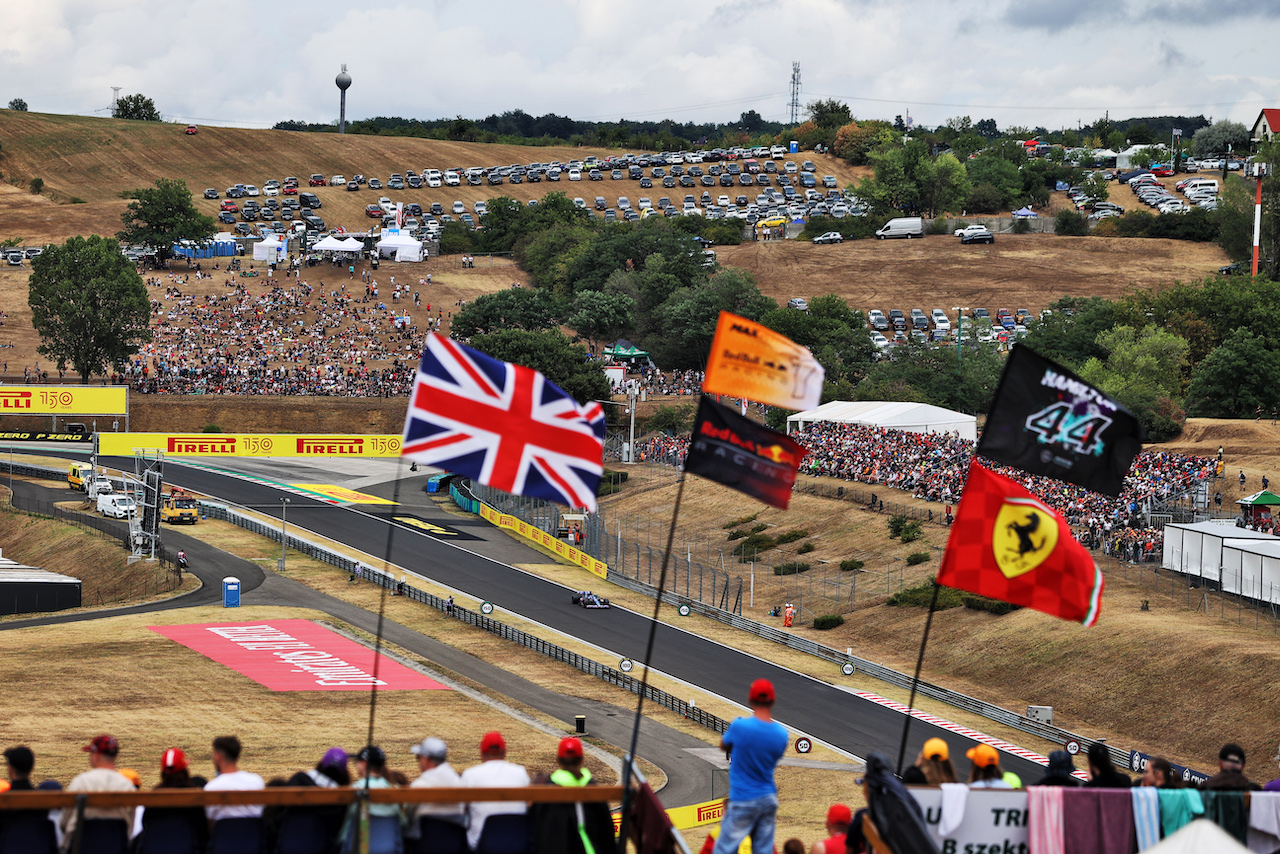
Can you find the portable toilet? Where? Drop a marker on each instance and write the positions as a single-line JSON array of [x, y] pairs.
[[231, 592], [795, 147]]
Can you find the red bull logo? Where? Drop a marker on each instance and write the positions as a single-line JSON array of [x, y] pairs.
[[201, 445], [15, 399], [779, 454], [330, 447]]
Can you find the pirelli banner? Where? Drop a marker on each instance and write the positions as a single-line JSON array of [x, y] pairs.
[[64, 400], [250, 444]]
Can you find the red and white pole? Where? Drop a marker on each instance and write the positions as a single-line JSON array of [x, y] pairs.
[[1257, 224]]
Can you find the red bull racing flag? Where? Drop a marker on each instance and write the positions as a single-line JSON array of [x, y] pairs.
[[743, 455]]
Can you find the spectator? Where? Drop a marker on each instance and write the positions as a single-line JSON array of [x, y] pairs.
[[755, 744], [494, 771], [226, 762], [1230, 776], [985, 772], [1102, 772], [330, 772], [839, 817], [21, 761], [388, 819], [1159, 773], [933, 766], [175, 774], [581, 828], [1272, 786], [436, 772], [1061, 768], [102, 776]]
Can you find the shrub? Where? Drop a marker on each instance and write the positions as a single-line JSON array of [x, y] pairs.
[[961, 223], [793, 567], [791, 536], [828, 621], [76, 200], [755, 529], [744, 520], [1022, 226], [897, 522], [37, 184], [1107, 228], [753, 545], [211, 428], [671, 419], [982, 603], [939, 226], [1069, 223], [917, 558], [850, 565], [911, 531], [920, 596], [1134, 224], [805, 548]]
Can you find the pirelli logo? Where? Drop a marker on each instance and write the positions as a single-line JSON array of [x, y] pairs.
[[202, 445], [710, 812], [15, 399], [328, 447]]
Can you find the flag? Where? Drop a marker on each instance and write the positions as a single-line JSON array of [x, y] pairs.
[[752, 361], [1006, 544], [1046, 420], [743, 455], [503, 425]]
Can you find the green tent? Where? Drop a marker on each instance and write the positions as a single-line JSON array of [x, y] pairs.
[[622, 349]]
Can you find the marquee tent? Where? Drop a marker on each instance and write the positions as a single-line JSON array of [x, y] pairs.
[[1025, 213], [912, 417], [402, 247], [331, 244], [268, 250], [350, 244]]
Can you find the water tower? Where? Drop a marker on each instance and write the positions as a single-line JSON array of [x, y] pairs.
[[343, 82]]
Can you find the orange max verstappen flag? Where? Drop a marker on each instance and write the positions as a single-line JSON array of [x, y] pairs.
[[1006, 544], [750, 360]]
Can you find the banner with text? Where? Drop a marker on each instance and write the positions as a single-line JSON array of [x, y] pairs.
[[63, 400], [534, 534], [250, 444]]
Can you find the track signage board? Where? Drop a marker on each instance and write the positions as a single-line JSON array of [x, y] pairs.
[[251, 444], [63, 400]]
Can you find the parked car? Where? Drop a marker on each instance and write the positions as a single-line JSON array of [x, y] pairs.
[[971, 229], [191, 130], [829, 237], [798, 303], [317, 181], [211, 193], [983, 236]]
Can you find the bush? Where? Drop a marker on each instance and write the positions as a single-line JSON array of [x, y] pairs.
[[1069, 223], [911, 531], [850, 565], [455, 238], [1134, 224], [1022, 226], [917, 558], [76, 200], [755, 529], [920, 596], [1107, 228], [753, 545], [793, 567], [37, 184], [791, 536], [744, 520], [939, 226], [211, 428], [828, 621], [737, 535], [671, 420], [992, 606], [1196, 224], [805, 548], [850, 227], [897, 522]]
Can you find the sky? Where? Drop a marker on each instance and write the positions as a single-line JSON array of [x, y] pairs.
[[1029, 63]]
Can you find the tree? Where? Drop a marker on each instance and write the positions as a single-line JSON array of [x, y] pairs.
[[687, 319], [943, 185], [751, 121], [986, 128], [1235, 379], [991, 168], [1096, 187], [515, 308], [829, 113], [597, 316], [1143, 371], [88, 305], [1218, 137], [160, 216], [18, 104], [138, 108], [561, 361]]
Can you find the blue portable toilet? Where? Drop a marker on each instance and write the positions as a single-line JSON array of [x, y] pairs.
[[795, 147], [231, 592]]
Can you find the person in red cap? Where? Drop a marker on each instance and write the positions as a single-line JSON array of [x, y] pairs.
[[175, 774], [755, 744], [102, 776], [494, 771], [839, 818], [582, 828]]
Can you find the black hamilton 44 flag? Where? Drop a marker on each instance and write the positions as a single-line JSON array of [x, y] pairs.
[[1046, 420], [735, 451]]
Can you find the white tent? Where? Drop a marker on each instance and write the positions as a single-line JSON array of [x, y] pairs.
[[268, 250], [400, 246], [1198, 836], [1124, 159], [912, 417], [350, 244], [331, 244]]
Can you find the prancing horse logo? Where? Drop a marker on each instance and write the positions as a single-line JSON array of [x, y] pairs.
[[1025, 533]]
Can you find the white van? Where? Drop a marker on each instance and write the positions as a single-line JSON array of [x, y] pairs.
[[117, 505], [902, 226], [1200, 184]]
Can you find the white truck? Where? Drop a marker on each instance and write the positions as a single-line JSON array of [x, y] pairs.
[[117, 505], [902, 226]]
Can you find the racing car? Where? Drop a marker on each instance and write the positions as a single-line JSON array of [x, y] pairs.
[[587, 599]]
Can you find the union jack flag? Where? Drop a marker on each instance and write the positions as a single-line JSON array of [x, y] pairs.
[[503, 425]]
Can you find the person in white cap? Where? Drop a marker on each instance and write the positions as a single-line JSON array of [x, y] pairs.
[[433, 755]]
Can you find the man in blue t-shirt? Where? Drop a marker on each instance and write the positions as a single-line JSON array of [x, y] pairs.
[[755, 745]]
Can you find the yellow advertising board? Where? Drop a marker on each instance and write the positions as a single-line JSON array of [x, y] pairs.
[[694, 815], [250, 444], [63, 400], [534, 534]]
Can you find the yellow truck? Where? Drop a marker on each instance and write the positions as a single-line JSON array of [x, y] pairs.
[[178, 509]]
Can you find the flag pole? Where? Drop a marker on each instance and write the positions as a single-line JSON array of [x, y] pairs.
[[644, 675], [915, 680]]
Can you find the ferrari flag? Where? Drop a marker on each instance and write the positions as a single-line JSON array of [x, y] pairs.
[[743, 455], [752, 361], [1005, 544], [503, 425], [1046, 420]]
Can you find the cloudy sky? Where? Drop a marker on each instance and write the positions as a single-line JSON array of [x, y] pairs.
[[1030, 62]]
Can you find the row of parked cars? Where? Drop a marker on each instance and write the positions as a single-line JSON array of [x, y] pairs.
[[936, 327], [17, 257]]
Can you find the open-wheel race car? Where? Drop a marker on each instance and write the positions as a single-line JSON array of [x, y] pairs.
[[587, 599]]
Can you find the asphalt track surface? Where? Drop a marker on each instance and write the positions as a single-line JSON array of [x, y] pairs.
[[805, 704]]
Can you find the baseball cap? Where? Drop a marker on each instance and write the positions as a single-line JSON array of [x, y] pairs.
[[432, 748], [1060, 762], [372, 754], [570, 748], [936, 748], [839, 814], [173, 760], [21, 759], [1231, 753], [334, 757], [983, 755], [492, 741], [104, 744], [133, 776], [762, 691]]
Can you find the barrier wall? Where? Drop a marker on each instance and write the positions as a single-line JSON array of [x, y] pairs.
[[542, 538]]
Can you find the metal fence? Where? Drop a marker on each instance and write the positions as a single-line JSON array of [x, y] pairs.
[[544, 515]]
